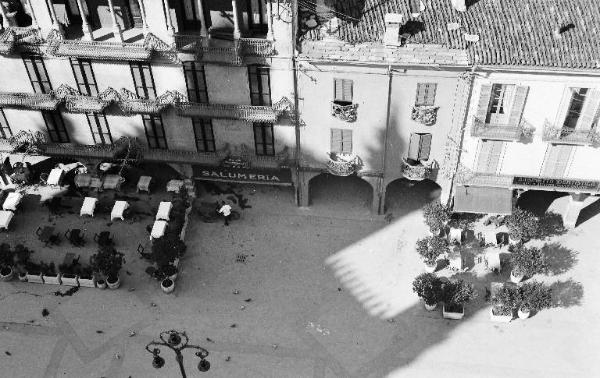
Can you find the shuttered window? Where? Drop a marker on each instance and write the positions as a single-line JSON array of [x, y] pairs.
[[195, 80], [501, 104], [557, 158], [99, 128], [5, 131], [260, 85], [37, 74], [203, 131], [518, 105], [582, 113], [264, 143], [143, 80], [84, 76], [155, 132], [342, 91], [341, 141], [419, 146], [489, 156], [55, 126], [426, 94], [575, 106]]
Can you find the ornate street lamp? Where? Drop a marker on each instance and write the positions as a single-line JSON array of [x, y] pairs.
[[176, 341]]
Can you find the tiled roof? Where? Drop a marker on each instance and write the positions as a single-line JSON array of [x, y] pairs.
[[511, 32]]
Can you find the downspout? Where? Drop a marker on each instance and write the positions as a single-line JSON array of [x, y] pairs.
[[381, 208], [297, 152]]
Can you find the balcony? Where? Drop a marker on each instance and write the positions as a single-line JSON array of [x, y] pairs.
[[242, 112], [496, 131], [427, 115], [558, 135], [346, 113], [340, 164], [219, 50], [25, 39], [257, 47], [416, 170], [34, 101]]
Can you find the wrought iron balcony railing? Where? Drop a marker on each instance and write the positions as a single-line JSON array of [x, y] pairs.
[[561, 135], [483, 130], [417, 171], [340, 164], [103, 50], [34, 101], [231, 52], [257, 47], [427, 115], [244, 112], [344, 112]]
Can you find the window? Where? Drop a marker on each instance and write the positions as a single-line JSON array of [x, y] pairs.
[[499, 106], [257, 12], [84, 76], [557, 157], [341, 141], [489, 156], [419, 147], [56, 127], [5, 131], [263, 139], [578, 96], [260, 86], [191, 14], [203, 130], [195, 80], [342, 91], [155, 132], [142, 79], [99, 128], [426, 94], [37, 74]]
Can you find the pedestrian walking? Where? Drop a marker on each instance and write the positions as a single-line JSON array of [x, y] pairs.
[[225, 210]]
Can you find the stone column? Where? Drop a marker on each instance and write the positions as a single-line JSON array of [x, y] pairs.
[[168, 18], [236, 20], [116, 28], [144, 22], [87, 30], [270, 35], [571, 213], [55, 24], [4, 19]]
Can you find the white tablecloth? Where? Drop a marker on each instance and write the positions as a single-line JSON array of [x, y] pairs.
[[158, 229], [164, 209], [12, 201], [88, 207], [118, 210], [5, 218], [55, 176]]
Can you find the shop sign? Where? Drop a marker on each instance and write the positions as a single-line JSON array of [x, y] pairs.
[[250, 175], [556, 183]]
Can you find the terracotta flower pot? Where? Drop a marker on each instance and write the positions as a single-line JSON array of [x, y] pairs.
[[523, 313], [430, 268], [516, 278], [6, 273], [430, 307], [167, 285], [23, 277], [101, 284], [113, 283]]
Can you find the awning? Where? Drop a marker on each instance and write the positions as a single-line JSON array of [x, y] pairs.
[[483, 200]]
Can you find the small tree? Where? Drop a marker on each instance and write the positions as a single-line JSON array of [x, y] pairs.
[[431, 247], [428, 286], [528, 261], [535, 296], [108, 261], [505, 300], [456, 294], [522, 225], [436, 215]]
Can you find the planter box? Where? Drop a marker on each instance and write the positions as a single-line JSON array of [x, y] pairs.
[[500, 318], [51, 280], [430, 308], [69, 281], [35, 278], [453, 315], [86, 282]]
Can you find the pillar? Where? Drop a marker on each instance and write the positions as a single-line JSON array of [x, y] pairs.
[[270, 35], [236, 20], [87, 30], [203, 29], [4, 18], [303, 187], [571, 213], [144, 22], [55, 24], [116, 28]]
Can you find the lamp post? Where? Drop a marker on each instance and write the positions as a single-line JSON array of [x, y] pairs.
[[176, 341]]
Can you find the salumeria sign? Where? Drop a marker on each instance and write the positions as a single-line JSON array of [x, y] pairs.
[[257, 176]]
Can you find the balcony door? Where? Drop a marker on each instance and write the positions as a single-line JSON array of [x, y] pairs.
[[188, 15], [100, 13], [256, 16]]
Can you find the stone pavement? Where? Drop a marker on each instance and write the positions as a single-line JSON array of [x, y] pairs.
[[329, 294]]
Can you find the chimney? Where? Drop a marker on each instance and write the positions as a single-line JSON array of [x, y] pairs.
[[393, 22], [459, 5]]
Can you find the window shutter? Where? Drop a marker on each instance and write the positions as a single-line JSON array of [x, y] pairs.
[[489, 156], [426, 94], [590, 110], [484, 102], [557, 158], [425, 147], [347, 90], [347, 141], [518, 105], [338, 90], [413, 147], [336, 140]]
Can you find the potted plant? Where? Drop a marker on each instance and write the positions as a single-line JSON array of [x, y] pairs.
[[455, 295], [7, 261], [504, 301], [534, 296], [22, 255], [428, 287], [33, 272], [165, 254], [430, 248], [436, 216], [85, 276], [49, 274], [522, 226], [108, 262], [167, 285], [526, 261]]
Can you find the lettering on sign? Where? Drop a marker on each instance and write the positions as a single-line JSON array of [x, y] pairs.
[[250, 175], [556, 183]]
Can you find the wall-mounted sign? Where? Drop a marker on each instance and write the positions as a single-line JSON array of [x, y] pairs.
[[281, 176], [567, 184]]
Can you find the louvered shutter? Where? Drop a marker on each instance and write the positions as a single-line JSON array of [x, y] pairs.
[[338, 89], [518, 105], [590, 110], [557, 158], [347, 90], [489, 156], [484, 102], [425, 146], [336, 140], [414, 146], [347, 141]]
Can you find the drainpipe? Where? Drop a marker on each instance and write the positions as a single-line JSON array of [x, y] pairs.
[[296, 101], [381, 208]]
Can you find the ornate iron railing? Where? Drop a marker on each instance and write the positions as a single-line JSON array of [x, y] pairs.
[[243, 112], [418, 171], [196, 44], [256, 47], [483, 130], [426, 115], [342, 164], [344, 112], [36, 101], [103, 50], [561, 135]]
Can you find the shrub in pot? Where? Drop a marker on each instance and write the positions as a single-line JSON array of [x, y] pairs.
[[455, 295], [7, 262], [428, 287], [108, 262], [50, 274], [436, 216], [85, 276], [22, 255], [68, 273], [522, 225], [33, 272], [534, 296], [167, 285], [504, 301], [526, 261], [166, 250], [430, 248]]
